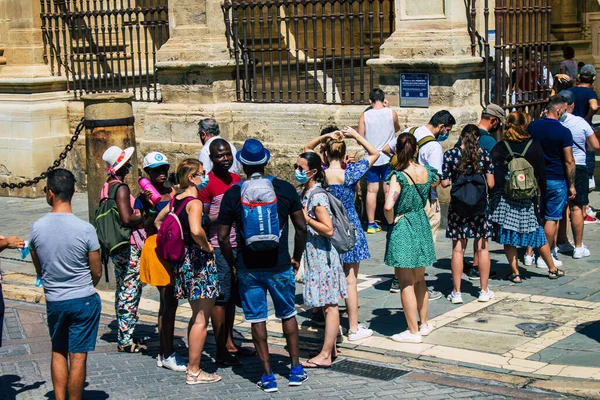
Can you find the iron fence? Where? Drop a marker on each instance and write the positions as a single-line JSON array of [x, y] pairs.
[[105, 45], [521, 77], [306, 51]]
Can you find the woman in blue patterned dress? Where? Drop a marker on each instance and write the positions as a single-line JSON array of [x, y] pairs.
[[342, 184], [324, 280], [196, 278], [459, 160]]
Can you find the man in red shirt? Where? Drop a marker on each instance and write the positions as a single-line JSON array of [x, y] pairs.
[[219, 180]]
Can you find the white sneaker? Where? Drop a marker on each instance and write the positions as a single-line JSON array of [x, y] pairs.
[[455, 297], [485, 296], [542, 264], [407, 337], [591, 212], [566, 247], [581, 252], [426, 329], [175, 363], [362, 333], [529, 260], [159, 363]]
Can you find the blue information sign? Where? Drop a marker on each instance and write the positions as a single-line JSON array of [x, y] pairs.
[[414, 90]]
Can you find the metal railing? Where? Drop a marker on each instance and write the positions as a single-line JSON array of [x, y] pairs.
[[105, 45], [306, 51], [521, 76]]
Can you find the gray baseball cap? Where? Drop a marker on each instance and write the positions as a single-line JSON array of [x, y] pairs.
[[588, 69], [568, 95], [495, 110]]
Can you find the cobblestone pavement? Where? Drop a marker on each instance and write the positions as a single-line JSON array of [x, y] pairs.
[[25, 372], [536, 330]]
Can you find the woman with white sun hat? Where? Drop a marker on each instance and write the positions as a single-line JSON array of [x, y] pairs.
[[127, 267]]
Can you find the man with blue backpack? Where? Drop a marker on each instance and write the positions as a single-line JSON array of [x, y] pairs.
[[261, 207]]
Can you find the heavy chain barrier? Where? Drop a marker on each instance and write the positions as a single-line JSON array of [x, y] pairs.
[[54, 165]]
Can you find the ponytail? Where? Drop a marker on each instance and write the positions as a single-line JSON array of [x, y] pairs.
[[314, 162]]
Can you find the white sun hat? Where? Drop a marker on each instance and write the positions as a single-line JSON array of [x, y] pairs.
[[115, 158]]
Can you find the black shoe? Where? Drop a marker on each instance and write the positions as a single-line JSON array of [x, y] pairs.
[[474, 274]]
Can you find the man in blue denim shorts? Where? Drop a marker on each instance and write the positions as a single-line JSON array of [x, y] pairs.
[[557, 143], [265, 271], [70, 268]]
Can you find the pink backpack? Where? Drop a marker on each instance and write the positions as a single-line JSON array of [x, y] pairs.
[[170, 245]]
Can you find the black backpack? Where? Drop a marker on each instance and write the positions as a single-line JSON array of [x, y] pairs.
[[469, 194]]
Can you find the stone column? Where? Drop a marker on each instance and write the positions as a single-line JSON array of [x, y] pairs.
[[33, 116], [109, 122], [566, 24], [431, 37], [195, 65]]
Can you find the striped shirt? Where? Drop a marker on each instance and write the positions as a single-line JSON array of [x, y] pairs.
[[580, 129]]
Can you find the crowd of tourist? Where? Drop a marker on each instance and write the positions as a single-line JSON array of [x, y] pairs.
[[205, 235]]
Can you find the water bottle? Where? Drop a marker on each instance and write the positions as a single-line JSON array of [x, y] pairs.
[[38, 280], [146, 185]]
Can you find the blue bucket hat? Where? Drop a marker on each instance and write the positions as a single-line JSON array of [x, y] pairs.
[[253, 153]]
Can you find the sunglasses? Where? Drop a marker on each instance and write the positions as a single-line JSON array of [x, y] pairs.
[[198, 174]]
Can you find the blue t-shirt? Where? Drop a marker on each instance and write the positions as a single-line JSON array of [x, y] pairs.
[[553, 137], [583, 95]]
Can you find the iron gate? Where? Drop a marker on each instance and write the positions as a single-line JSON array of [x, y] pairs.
[[521, 77], [306, 51], [105, 45]]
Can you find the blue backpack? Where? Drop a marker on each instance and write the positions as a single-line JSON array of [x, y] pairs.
[[260, 222]]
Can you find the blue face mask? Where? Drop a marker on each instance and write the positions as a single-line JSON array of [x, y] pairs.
[[301, 176], [203, 183], [443, 137]]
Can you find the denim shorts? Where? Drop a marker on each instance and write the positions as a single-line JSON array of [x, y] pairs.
[[73, 324], [254, 284], [555, 200], [378, 173], [225, 275]]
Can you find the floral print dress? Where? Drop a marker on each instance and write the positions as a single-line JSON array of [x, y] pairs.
[[479, 226], [346, 193], [324, 279]]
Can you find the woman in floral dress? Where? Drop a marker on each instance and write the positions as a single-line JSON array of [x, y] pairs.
[[324, 280], [196, 278], [410, 241], [342, 184], [479, 227]]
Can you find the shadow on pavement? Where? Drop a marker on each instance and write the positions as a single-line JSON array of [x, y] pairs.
[[590, 329], [10, 386]]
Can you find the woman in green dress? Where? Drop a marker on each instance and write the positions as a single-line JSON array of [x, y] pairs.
[[410, 243]]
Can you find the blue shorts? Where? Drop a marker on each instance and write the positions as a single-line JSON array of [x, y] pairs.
[[378, 173], [253, 285], [225, 275], [555, 200], [73, 324]]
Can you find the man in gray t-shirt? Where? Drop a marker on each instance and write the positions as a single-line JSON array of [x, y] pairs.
[[65, 252]]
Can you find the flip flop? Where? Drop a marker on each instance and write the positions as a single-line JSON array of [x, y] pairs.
[[315, 353], [130, 348], [312, 364]]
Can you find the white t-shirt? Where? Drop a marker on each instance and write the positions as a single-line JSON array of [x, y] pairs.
[[431, 154], [204, 157], [581, 130], [379, 131]]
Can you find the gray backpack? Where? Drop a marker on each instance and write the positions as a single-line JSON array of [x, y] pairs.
[[344, 232]]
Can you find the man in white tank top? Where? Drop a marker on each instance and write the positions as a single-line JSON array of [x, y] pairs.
[[378, 124]]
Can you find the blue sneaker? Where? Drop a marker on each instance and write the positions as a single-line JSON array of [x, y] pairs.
[[268, 383], [298, 376]]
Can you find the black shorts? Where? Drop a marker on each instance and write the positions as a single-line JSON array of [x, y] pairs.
[[582, 186]]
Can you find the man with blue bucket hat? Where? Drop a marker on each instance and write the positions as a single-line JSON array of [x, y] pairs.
[[264, 264]]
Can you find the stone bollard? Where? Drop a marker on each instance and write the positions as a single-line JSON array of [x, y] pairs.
[[109, 122]]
